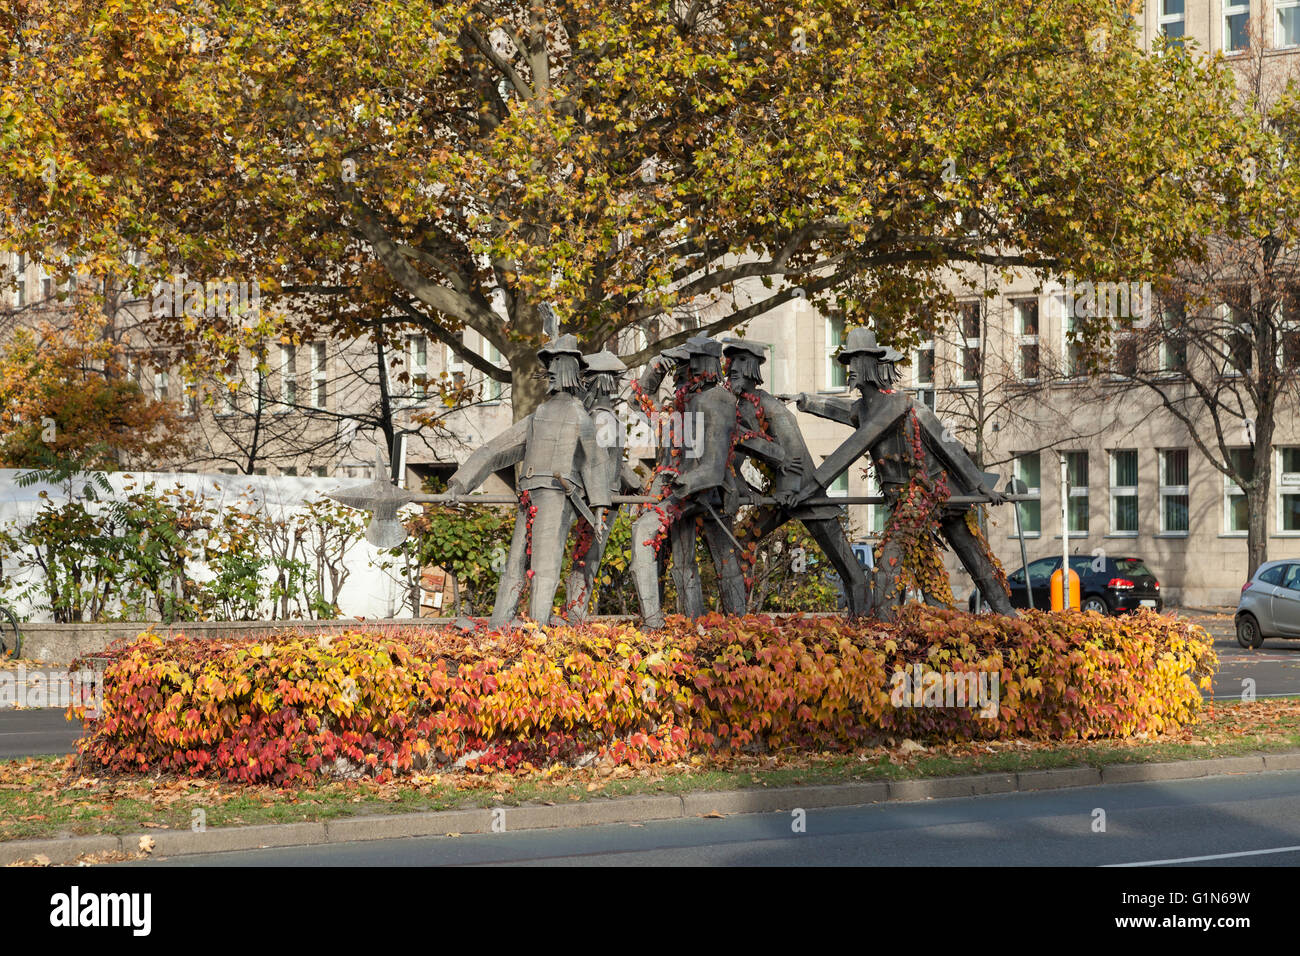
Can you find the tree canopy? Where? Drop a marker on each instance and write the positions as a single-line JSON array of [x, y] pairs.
[[639, 165]]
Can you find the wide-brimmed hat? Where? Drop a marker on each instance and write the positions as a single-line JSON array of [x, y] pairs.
[[564, 345], [732, 347], [862, 341], [703, 345], [603, 361]]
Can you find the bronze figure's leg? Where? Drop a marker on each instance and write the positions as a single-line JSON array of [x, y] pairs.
[[726, 559], [976, 563], [686, 569], [646, 569], [551, 526], [510, 586]]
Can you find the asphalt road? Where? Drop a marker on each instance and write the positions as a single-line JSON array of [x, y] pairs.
[[1245, 820], [30, 733], [1274, 669]]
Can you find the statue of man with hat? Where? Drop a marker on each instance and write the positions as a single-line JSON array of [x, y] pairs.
[[601, 380], [564, 473], [883, 420], [700, 486], [759, 410]]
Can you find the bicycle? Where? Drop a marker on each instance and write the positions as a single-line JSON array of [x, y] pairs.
[[11, 638]]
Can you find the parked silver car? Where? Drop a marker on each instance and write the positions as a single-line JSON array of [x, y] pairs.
[[1270, 604]]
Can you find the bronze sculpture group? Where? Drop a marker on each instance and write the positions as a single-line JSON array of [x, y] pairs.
[[572, 473]]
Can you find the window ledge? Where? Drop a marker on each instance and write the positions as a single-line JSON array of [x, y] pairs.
[[1239, 535], [1122, 534], [1172, 534], [1028, 534], [1285, 534]]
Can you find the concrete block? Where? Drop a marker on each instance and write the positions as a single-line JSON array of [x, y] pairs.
[[1054, 779], [591, 812], [1139, 772], [769, 800], [397, 825], [62, 850], [225, 839], [1287, 761], [939, 788]]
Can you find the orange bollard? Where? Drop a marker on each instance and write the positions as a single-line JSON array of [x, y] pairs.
[[1057, 604]]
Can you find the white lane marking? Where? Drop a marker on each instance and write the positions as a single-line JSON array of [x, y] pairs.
[[1216, 856]]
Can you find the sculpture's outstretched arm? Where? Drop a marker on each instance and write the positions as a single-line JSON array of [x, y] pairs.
[[880, 420], [825, 406], [502, 451]]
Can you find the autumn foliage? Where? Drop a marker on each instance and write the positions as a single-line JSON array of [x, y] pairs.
[[294, 707]]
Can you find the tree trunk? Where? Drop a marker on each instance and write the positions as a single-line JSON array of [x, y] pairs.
[[1258, 493], [527, 387]]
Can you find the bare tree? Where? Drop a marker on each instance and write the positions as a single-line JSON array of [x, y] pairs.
[[1220, 348]]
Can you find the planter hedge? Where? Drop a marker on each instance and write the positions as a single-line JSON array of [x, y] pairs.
[[287, 708]]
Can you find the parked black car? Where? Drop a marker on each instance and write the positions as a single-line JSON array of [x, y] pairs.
[[1106, 585]]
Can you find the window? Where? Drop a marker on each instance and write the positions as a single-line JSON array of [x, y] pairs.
[[1288, 349], [1172, 20], [319, 381], [1239, 355], [970, 342], [288, 375], [47, 283], [1126, 356], [1173, 355], [417, 365], [1124, 491], [1288, 22], [1288, 490], [1072, 350], [835, 372], [923, 367], [1029, 470], [160, 385], [923, 373], [1077, 470], [1026, 311], [1173, 345], [1274, 574], [229, 404], [319, 471], [1173, 491], [1236, 13], [1234, 499], [190, 399], [20, 271]]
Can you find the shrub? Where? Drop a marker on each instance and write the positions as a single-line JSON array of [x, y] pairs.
[[384, 702]]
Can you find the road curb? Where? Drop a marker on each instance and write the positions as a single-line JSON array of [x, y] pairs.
[[638, 809]]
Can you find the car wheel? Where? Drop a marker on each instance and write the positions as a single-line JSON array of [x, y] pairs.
[[1094, 603], [1248, 632]]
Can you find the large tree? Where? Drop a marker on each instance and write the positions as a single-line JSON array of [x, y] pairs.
[[627, 164]]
